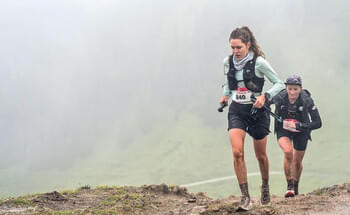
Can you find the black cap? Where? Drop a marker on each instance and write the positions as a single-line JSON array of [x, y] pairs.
[[293, 80]]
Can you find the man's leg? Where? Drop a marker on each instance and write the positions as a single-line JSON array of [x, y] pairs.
[[297, 168], [287, 148]]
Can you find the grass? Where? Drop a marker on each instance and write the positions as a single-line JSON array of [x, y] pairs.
[[85, 187], [21, 201], [191, 152], [185, 150], [114, 198], [121, 201], [105, 187], [125, 200], [318, 192], [68, 192], [185, 146]]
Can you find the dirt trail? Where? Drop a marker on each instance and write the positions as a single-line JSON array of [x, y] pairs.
[[171, 200]]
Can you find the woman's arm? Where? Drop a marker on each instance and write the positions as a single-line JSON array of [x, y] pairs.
[[226, 89], [263, 68]]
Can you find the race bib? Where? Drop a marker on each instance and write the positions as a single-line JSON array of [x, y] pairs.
[[241, 95], [287, 127]]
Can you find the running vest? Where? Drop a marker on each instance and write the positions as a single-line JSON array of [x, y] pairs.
[[291, 111], [251, 81], [298, 110]]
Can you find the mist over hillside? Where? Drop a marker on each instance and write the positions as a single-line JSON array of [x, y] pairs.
[[115, 92]]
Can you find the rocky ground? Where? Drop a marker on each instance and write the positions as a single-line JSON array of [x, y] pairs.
[[171, 200]]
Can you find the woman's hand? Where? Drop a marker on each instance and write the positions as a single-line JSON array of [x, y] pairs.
[[290, 125], [224, 99], [260, 101]]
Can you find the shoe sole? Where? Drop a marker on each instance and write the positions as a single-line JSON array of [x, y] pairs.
[[240, 208]]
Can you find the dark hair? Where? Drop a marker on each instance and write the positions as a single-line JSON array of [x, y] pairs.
[[245, 34]]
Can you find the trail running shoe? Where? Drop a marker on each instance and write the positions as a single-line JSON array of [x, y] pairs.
[[245, 204], [290, 190], [289, 193], [265, 194]]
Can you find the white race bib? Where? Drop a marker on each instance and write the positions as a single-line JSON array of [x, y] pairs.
[[287, 127], [242, 95]]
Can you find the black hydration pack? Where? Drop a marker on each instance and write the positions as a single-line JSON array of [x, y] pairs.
[[251, 81]]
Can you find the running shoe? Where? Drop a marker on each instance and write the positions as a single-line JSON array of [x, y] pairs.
[[265, 194], [245, 204], [290, 191]]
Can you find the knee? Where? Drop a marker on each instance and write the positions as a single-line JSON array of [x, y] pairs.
[[288, 155], [238, 155], [298, 164], [262, 157]]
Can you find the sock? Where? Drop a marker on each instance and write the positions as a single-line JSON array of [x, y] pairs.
[[296, 184], [265, 182], [290, 184], [244, 189]]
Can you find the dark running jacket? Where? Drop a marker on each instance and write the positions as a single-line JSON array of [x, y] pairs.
[[304, 110]]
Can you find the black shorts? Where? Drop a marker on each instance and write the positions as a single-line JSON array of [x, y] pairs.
[[299, 138], [256, 125]]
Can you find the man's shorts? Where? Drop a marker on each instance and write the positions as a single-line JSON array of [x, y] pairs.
[[256, 125], [299, 138]]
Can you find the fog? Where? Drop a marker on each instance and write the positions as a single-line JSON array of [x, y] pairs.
[[79, 78]]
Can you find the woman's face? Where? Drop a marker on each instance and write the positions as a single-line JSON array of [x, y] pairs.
[[293, 91], [239, 49]]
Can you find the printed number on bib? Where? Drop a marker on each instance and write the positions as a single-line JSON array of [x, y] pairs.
[[287, 126], [242, 95]]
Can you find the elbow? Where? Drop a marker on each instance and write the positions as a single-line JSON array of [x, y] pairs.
[[281, 85], [319, 125]]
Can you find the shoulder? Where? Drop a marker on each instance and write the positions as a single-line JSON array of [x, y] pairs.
[[261, 61], [305, 94], [306, 97], [262, 64]]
